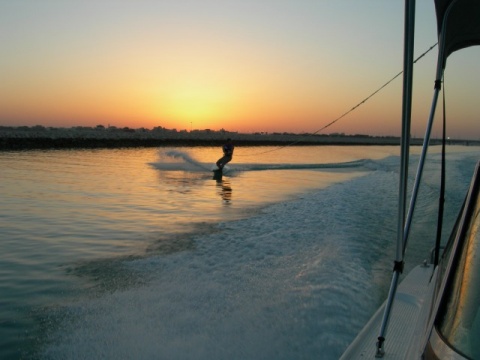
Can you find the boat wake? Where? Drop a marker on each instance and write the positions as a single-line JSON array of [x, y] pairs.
[[174, 160]]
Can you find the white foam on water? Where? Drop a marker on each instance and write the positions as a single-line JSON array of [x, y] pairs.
[[185, 162]]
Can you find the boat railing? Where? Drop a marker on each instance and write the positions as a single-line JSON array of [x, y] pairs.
[[457, 324]]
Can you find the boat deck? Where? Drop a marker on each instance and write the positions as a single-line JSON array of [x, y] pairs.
[[407, 321]]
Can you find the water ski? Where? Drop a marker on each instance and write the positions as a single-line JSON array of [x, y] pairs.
[[217, 174]]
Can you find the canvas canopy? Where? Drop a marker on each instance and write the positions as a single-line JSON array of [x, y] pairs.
[[463, 25]]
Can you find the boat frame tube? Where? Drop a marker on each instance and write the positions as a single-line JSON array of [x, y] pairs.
[[403, 226], [409, 31]]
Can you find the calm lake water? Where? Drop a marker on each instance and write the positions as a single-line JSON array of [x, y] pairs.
[[139, 254]]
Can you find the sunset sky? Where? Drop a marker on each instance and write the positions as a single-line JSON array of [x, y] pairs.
[[247, 66]]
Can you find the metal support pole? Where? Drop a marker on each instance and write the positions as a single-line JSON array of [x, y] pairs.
[[409, 37]]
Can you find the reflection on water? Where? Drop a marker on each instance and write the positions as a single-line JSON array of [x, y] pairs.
[[225, 191], [180, 180]]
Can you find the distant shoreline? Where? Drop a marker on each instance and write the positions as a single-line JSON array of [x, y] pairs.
[[90, 143], [41, 138]]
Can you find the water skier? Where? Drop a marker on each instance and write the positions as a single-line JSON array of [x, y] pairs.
[[227, 154]]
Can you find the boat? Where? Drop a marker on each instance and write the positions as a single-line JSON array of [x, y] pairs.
[[434, 312]]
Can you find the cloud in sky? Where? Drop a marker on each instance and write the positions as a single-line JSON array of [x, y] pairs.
[[283, 65]]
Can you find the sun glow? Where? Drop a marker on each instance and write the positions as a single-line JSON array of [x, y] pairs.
[[194, 103]]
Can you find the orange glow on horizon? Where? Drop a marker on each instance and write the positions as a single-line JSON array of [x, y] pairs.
[[246, 67]]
